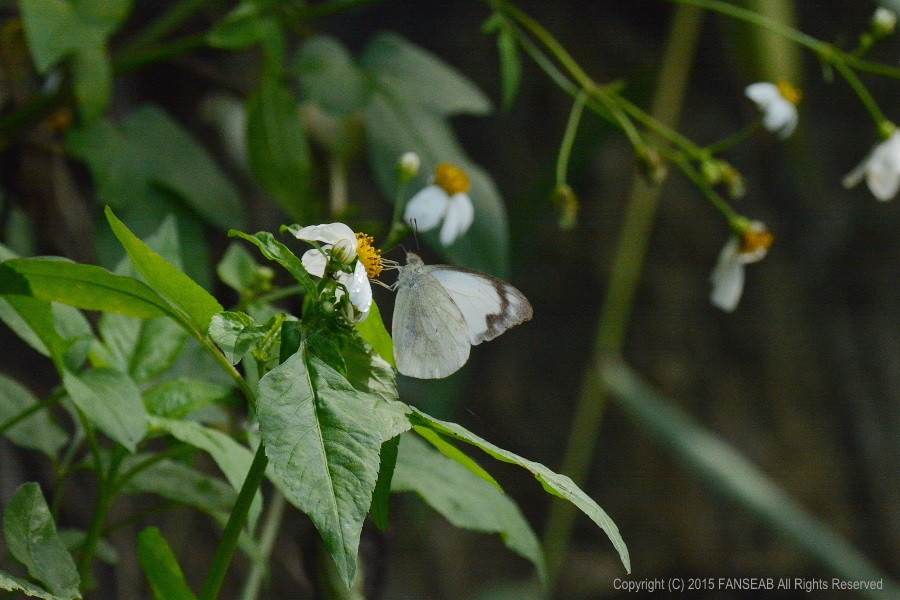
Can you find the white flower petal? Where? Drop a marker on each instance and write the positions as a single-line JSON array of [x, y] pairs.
[[314, 262], [426, 209], [360, 290], [763, 94], [881, 169], [781, 118], [460, 214], [331, 233], [728, 277], [883, 180], [853, 178]]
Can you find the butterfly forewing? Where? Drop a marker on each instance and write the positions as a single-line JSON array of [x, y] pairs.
[[429, 330], [489, 305]]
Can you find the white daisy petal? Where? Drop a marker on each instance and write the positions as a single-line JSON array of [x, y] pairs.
[[781, 118], [728, 277], [883, 180], [460, 214], [426, 209], [763, 94], [331, 233], [360, 290], [881, 169], [314, 262]]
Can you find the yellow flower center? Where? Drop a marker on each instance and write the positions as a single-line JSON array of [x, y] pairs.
[[451, 178], [756, 240], [369, 255], [790, 93]]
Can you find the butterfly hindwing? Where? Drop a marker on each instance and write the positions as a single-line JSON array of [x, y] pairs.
[[489, 305]]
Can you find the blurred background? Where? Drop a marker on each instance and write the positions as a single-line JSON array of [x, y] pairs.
[[803, 379]]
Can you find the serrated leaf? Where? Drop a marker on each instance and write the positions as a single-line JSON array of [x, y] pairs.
[[376, 335], [394, 127], [275, 250], [322, 439], [164, 277], [232, 458], [553, 483], [31, 538], [329, 76], [143, 348], [180, 483], [177, 398], [161, 567], [39, 431], [278, 150], [510, 65], [236, 333], [418, 77], [111, 401], [149, 149], [464, 499], [83, 286], [14, 584]]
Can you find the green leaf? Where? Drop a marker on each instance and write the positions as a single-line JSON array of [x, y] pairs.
[[111, 401], [553, 483], [163, 276], [74, 539], [510, 64], [14, 584], [395, 126], [161, 567], [465, 499], [237, 269], [31, 538], [277, 148], [323, 441], [232, 458], [54, 30], [177, 398], [329, 76], [409, 72], [142, 348], [37, 432], [382, 492], [236, 333], [180, 483], [108, 15], [37, 318], [454, 453], [374, 332], [149, 149], [275, 250], [92, 81], [84, 286]]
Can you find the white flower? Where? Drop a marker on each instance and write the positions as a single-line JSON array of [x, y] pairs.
[[778, 104], [884, 21], [728, 275], [446, 199], [408, 166], [881, 168], [342, 243]]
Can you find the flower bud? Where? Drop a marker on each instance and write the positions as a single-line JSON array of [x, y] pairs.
[[884, 21], [344, 251], [567, 206], [408, 166], [652, 165]]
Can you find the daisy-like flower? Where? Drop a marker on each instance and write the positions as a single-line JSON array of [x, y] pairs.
[[342, 244], [881, 169], [778, 103], [446, 199], [749, 246]]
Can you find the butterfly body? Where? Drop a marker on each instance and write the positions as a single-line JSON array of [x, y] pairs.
[[442, 310]]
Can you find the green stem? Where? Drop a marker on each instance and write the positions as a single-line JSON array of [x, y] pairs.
[[133, 60], [227, 546], [168, 22], [863, 93], [270, 529], [733, 140], [106, 495], [565, 150], [626, 269], [282, 293], [49, 401], [710, 194]]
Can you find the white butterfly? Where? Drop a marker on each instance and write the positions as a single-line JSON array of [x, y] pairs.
[[441, 311]]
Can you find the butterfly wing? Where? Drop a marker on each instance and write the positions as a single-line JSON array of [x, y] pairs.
[[431, 339], [489, 305]]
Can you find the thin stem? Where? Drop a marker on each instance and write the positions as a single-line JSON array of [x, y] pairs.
[[133, 60], [281, 293], [565, 150], [168, 22], [106, 495], [863, 93], [150, 461], [733, 140], [270, 529], [626, 269], [46, 403], [710, 194], [227, 546]]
